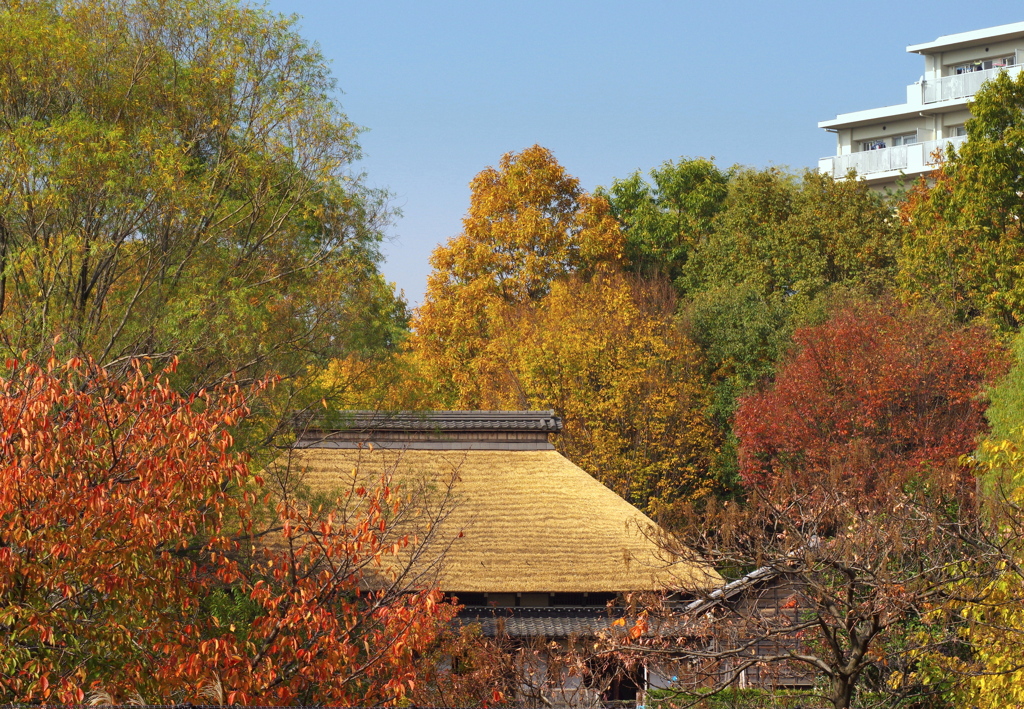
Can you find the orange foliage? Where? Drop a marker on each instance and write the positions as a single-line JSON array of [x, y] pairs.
[[529, 224], [873, 396], [124, 514]]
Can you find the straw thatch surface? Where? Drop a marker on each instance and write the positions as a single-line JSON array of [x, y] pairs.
[[532, 521]]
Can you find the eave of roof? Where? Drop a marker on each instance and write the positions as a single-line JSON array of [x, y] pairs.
[[967, 39], [901, 111], [549, 622]]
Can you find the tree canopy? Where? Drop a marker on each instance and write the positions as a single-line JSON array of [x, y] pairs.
[[606, 354], [965, 246], [665, 222], [177, 182], [873, 397], [135, 561], [529, 224]]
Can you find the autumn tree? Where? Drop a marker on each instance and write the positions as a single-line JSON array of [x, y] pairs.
[[989, 670], [177, 181], [966, 245], [878, 394], [607, 356], [529, 308], [835, 590], [862, 520], [529, 224], [779, 249], [136, 564]]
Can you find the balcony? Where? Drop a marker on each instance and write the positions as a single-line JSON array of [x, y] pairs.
[[870, 161], [908, 159], [959, 85]]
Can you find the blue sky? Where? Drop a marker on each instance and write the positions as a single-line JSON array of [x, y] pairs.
[[445, 88]]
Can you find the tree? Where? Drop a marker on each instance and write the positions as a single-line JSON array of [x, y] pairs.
[[794, 239], [607, 356], [1005, 413], [965, 245], [852, 590], [780, 250], [135, 560], [860, 511], [879, 393], [665, 222], [528, 308], [529, 224], [176, 182], [990, 672]]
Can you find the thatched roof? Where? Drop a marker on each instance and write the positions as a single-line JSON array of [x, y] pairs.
[[531, 521]]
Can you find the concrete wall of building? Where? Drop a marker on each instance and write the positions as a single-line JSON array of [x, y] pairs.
[[953, 119], [887, 130], [944, 63], [938, 119]]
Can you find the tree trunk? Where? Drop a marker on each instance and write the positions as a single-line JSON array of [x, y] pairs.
[[842, 691]]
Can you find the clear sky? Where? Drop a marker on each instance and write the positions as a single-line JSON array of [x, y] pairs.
[[445, 88]]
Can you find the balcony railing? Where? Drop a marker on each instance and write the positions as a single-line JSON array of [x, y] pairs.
[[870, 161], [959, 85], [911, 159], [937, 148]]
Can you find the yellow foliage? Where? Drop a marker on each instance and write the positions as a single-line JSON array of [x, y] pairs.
[[528, 308], [529, 223], [376, 384], [994, 617], [607, 356]]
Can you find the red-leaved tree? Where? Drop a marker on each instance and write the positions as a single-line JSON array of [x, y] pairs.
[[132, 564], [876, 393]]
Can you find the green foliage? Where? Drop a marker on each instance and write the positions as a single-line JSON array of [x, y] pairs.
[[1005, 413], [665, 222], [781, 249], [965, 248], [176, 182], [792, 240], [740, 331]]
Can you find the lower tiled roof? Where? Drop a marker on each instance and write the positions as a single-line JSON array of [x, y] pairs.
[[539, 622]]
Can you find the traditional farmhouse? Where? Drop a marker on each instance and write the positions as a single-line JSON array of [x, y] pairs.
[[886, 145], [531, 544]]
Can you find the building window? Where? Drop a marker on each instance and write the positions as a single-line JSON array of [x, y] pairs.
[[874, 144], [908, 139], [985, 64], [957, 131]]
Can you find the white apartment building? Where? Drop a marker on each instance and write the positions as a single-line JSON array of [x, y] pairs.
[[885, 145]]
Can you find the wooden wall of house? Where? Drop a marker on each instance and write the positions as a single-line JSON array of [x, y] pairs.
[[769, 606]]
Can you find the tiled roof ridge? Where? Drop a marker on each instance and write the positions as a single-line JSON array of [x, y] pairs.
[[538, 611], [497, 420]]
